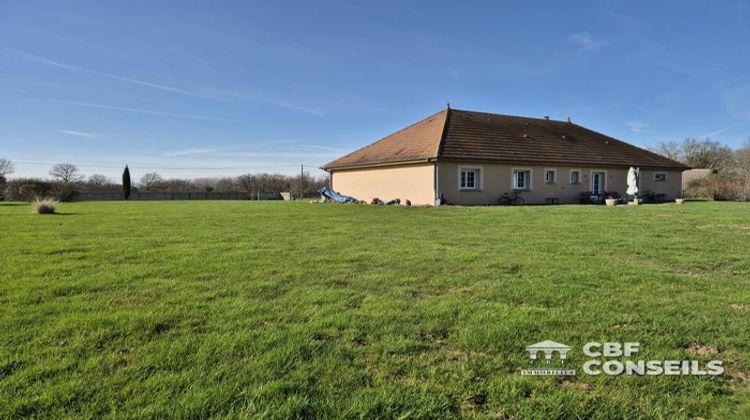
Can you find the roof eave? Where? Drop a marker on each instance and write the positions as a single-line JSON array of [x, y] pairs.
[[561, 162], [365, 165]]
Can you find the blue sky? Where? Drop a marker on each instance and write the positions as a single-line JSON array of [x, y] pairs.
[[209, 88]]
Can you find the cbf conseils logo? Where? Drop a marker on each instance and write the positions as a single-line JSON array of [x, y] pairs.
[[612, 358], [551, 365]]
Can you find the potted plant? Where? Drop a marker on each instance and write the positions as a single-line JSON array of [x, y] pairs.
[[636, 201], [611, 201]]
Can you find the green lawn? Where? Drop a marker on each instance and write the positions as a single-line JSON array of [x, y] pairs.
[[192, 309]]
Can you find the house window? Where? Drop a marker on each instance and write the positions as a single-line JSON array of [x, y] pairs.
[[550, 176], [660, 176], [470, 178], [575, 177], [521, 179]]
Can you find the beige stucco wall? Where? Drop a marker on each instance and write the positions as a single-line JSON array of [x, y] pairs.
[[672, 187], [407, 182], [496, 180]]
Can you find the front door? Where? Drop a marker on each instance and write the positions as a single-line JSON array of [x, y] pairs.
[[597, 182]]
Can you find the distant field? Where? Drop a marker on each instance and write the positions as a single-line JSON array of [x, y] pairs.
[[279, 309]]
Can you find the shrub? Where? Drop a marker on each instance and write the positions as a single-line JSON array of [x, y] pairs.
[[44, 206], [64, 192], [724, 189], [27, 189], [720, 187], [745, 192]]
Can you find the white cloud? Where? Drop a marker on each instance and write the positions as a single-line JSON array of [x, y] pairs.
[[721, 130], [322, 148], [300, 108], [637, 126], [230, 97], [78, 69], [79, 134], [144, 111], [291, 150], [197, 151], [586, 42]]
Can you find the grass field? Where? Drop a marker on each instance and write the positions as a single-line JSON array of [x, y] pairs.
[[191, 309]]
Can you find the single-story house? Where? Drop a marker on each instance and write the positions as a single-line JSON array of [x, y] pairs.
[[467, 157]]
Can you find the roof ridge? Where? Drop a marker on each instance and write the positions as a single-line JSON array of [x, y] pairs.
[[521, 117], [444, 132]]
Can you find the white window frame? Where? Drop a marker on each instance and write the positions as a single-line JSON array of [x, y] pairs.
[[591, 179], [554, 176], [570, 176], [656, 175], [513, 172], [478, 181]]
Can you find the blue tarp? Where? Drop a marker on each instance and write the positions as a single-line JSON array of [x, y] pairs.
[[334, 196]]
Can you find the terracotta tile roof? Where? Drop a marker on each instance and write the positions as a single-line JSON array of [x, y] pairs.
[[476, 136], [418, 141]]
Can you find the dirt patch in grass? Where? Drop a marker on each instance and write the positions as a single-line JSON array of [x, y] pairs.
[[739, 228], [461, 291], [701, 350], [741, 308], [740, 376]]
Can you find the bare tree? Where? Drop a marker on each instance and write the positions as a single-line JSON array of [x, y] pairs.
[[67, 173], [699, 153], [707, 154], [252, 184], [175, 185], [6, 168], [98, 181], [670, 150], [226, 185], [151, 180], [743, 160]]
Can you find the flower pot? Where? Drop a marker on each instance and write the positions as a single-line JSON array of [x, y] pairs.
[[635, 202], [611, 202], [679, 200]]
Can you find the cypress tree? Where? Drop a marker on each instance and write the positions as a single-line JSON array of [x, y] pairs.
[[126, 183]]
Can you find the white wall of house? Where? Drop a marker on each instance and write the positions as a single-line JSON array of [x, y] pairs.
[[671, 186]]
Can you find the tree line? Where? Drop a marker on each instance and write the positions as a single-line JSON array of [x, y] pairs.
[[66, 182], [730, 177]]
